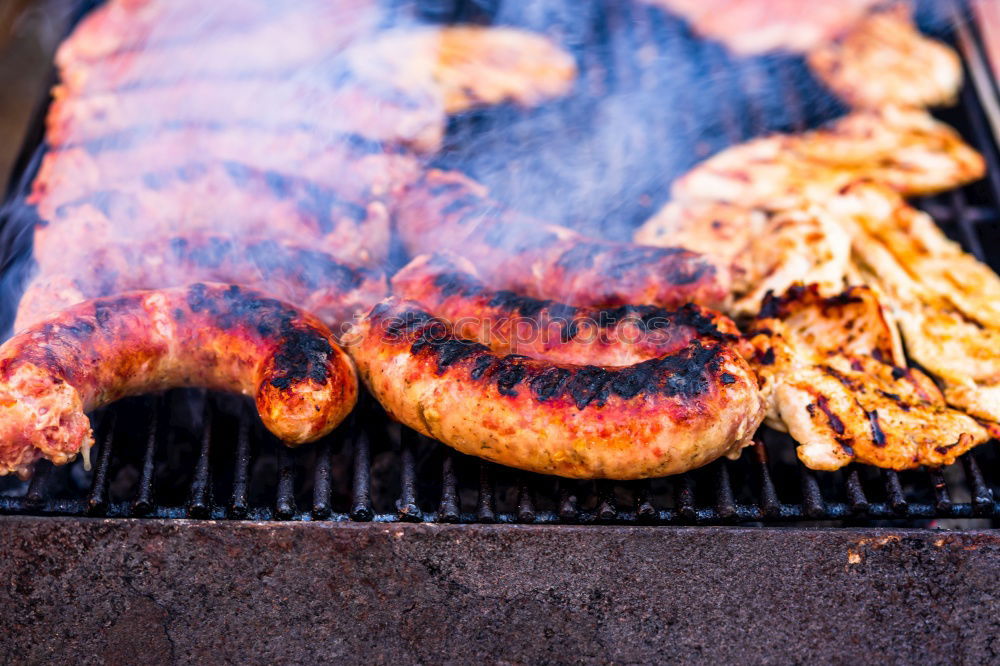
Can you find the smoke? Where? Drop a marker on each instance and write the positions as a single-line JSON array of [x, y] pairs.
[[300, 117]]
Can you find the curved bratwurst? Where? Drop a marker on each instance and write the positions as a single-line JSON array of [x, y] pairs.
[[662, 416], [214, 336]]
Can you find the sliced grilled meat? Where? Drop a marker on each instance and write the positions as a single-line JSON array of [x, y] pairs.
[[884, 59], [312, 280], [766, 252], [447, 286], [944, 299], [828, 375], [357, 170], [225, 197], [447, 210], [663, 416], [142, 42], [215, 336], [906, 149]]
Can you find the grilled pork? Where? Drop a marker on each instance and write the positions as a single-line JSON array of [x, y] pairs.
[[829, 378], [216, 198], [448, 211], [310, 279], [884, 59], [216, 336], [662, 416]]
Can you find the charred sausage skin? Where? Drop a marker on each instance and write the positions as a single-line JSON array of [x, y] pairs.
[[448, 211], [662, 416], [220, 337], [446, 285], [311, 279]]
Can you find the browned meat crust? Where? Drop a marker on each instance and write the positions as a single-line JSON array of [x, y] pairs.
[[215, 336], [512, 324], [209, 198], [448, 211], [310, 279], [662, 416], [827, 371]]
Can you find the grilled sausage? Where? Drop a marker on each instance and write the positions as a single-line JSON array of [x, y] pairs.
[[662, 416], [448, 211], [209, 335], [316, 282], [447, 287]]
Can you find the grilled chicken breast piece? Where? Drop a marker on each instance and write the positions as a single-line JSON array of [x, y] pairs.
[[751, 27], [462, 67], [766, 252], [943, 299], [827, 373], [884, 59], [906, 149]]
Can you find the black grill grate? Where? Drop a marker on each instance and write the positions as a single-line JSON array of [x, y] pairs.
[[188, 454]]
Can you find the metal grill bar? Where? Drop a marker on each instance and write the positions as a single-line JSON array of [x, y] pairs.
[[757, 488]]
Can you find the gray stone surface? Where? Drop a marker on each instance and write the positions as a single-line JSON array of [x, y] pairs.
[[149, 591]]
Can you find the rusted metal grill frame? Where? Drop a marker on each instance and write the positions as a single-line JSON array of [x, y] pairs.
[[855, 507]]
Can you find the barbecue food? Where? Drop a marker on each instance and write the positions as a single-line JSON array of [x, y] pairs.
[[447, 287], [885, 60], [662, 416], [314, 99], [448, 211], [765, 252], [395, 87], [904, 148], [309, 279], [216, 336], [356, 170], [212, 198], [945, 301], [751, 27], [127, 43], [466, 66], [827, 372]]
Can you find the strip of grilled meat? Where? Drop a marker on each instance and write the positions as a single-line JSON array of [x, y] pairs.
[[945, 300], [828, 376], [766, 252], [448, 211], [906, 149], [310, 279], [884, 59], [224, 197]]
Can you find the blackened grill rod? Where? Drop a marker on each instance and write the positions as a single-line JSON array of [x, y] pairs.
[[238, 504], [144, 499], [199, 504], [97, 500], [321, 481]]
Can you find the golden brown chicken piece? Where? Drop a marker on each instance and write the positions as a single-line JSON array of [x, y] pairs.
[[906, 149], [765, 251], [944, 300], [467, 66], [828, 375], [885, 59], [750, 27]]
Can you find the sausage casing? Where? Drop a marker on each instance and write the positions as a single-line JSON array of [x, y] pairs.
[[215, 336], [662, 416]]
